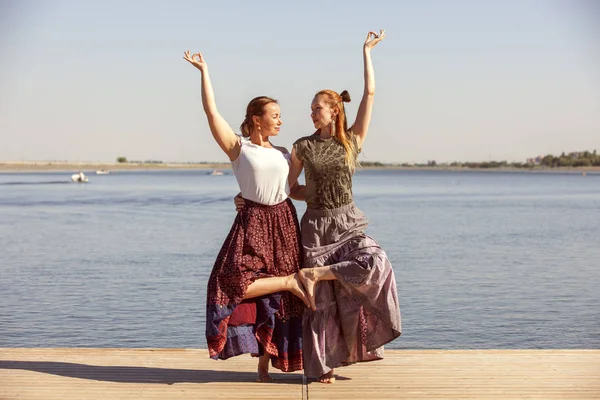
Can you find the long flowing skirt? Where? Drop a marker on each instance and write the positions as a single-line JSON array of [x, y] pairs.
[[264, 241], [357, 313]]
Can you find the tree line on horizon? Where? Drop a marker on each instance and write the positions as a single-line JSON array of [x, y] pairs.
[[573, 159]]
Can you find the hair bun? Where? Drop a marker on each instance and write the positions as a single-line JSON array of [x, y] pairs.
[[345, 96]]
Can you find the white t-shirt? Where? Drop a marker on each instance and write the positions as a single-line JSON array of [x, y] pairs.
[[262, 173]]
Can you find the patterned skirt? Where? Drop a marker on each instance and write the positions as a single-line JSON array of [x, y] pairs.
[[264, 241], [357, 313]]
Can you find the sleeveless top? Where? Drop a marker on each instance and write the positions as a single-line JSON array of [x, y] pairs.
[[262, 173], [328, 178]]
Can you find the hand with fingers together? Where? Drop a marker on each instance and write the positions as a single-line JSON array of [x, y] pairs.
[[374, 38], [195, 59]]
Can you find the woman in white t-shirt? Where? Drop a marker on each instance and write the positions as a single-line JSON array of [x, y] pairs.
[[254, 297]]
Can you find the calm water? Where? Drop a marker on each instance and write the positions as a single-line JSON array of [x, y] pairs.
[[482, 260]]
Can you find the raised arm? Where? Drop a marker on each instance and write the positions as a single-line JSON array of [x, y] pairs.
[[363, 117], [221, 131]]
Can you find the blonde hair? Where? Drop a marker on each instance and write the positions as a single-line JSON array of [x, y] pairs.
[[341, 133], [256, 107]]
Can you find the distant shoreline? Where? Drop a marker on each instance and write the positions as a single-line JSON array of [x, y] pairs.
[[91, 167]]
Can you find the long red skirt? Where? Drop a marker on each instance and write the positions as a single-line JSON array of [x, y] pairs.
[[264, 241]]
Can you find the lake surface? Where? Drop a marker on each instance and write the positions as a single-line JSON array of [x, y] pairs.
[[482, 259]]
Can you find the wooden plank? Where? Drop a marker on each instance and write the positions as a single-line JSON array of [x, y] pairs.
[[135, 374], [469, 374], [78, 373]]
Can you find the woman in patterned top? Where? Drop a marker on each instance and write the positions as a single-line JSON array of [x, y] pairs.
[[347, 276], [254, 297]]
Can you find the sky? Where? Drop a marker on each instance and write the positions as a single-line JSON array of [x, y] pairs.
[[456, 80]]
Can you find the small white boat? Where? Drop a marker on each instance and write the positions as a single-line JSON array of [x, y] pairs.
[[102, 172], [216, 172], [79, 178]]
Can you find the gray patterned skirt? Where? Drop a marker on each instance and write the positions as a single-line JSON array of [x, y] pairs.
[[357, 313]]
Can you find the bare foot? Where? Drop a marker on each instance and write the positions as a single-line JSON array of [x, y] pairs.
[[264, 378], [263, 369], [327, 378], [307, 277], [295, 286]]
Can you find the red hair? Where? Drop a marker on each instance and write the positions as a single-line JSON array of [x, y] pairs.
[[336, 101]]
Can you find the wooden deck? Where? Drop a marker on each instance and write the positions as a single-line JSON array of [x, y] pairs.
[[404, 374]]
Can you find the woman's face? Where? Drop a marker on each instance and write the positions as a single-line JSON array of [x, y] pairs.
[[270, 121], [321, 114]]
